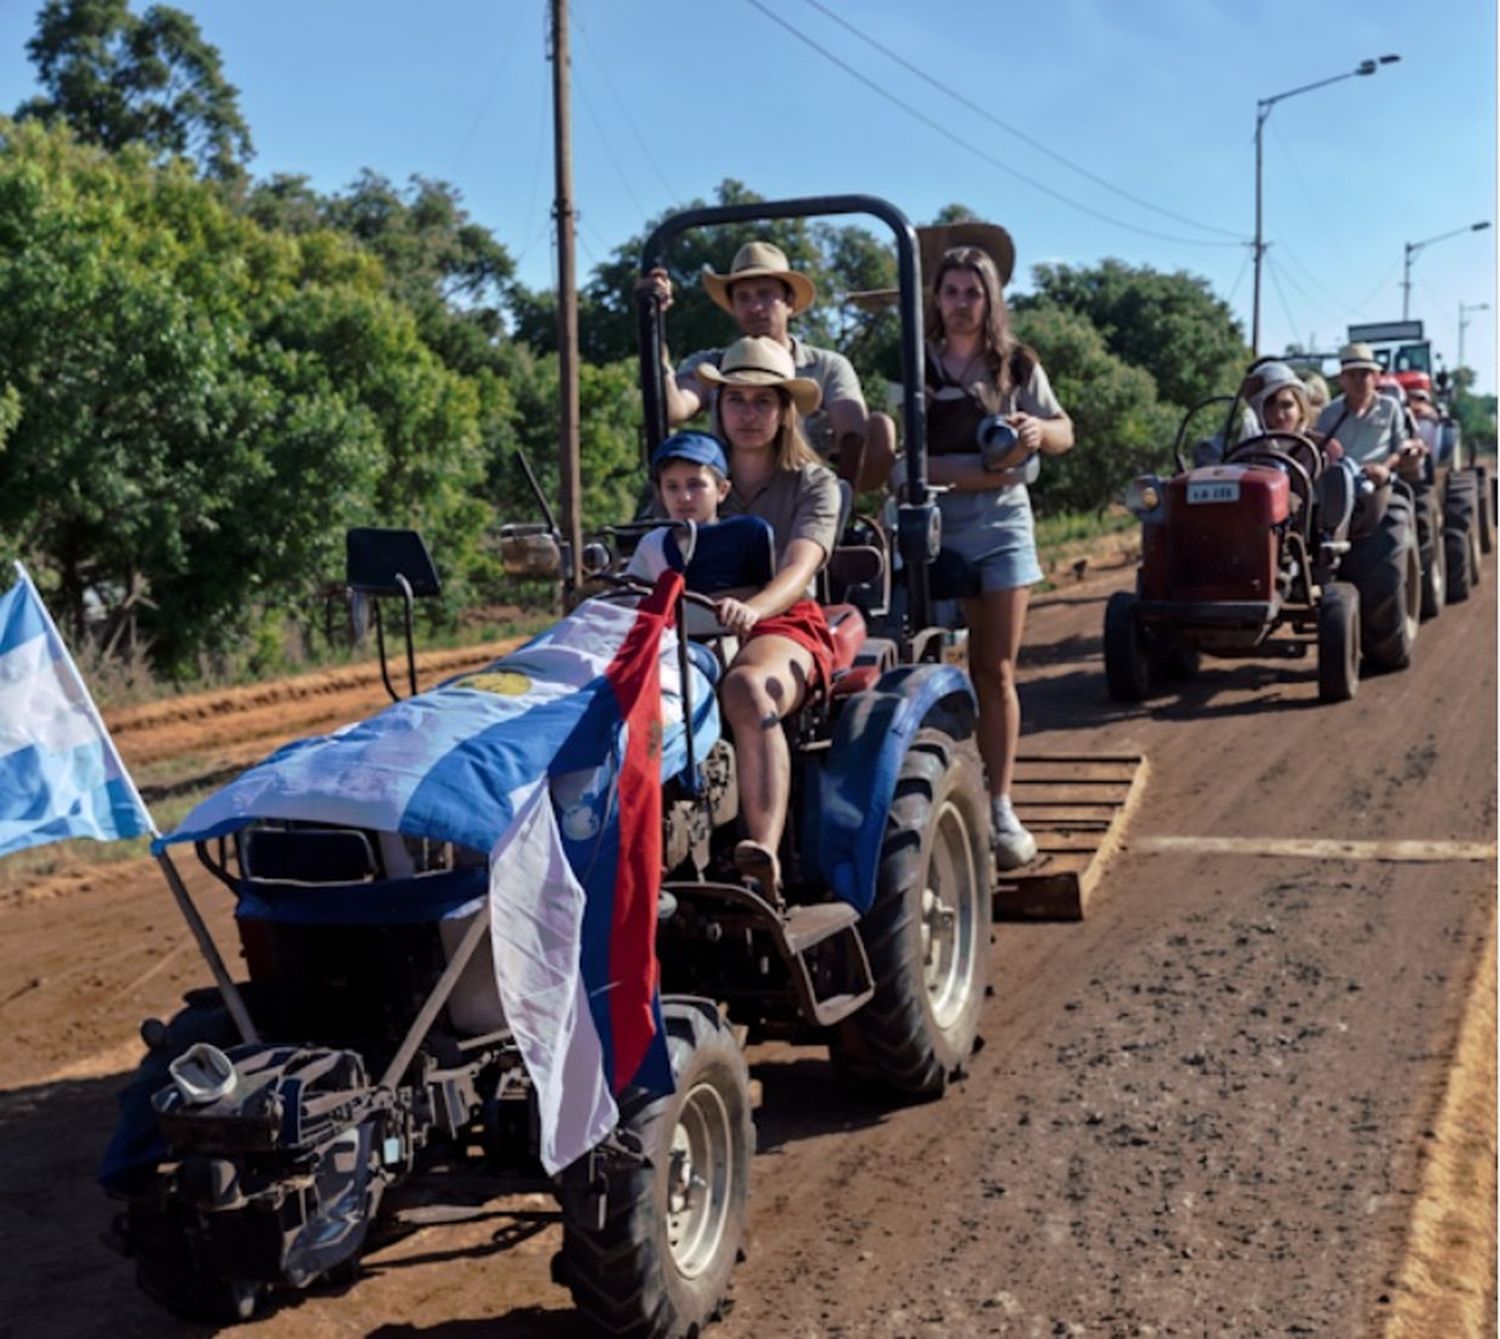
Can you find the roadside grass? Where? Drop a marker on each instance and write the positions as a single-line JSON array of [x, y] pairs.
[[125, 679]]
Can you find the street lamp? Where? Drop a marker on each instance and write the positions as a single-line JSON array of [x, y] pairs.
[[1412, 248], [1263, 110], [1463, 323]]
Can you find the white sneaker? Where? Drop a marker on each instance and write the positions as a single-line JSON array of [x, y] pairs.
[[1012, 844]]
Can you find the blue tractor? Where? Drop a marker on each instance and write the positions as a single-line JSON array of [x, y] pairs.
[[373, 1065]]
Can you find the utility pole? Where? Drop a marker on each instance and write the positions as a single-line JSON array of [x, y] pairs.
[[1413, 249], [1263, 110], [570, 485]]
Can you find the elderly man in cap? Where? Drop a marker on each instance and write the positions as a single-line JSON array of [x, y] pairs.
[[1370, 427], [762, 293]]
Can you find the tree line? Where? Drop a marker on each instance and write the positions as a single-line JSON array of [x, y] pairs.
[[206, 377]]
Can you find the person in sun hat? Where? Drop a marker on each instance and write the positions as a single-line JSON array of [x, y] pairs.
[[977, 369], [786, 648], [1279, 399], [762, 292], [1369, 427]]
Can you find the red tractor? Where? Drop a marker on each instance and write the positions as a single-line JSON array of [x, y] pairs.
[[1256, 555]]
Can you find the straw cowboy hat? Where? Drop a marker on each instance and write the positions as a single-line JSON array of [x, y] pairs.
[[758, 360], [1353, 357], [933, 243], [755, 260], [936, 240]]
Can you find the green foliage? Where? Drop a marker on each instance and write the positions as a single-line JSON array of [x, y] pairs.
[[118, 79], [448, 270], [1121, 428], [1171, 325], [1475, 413], [609, 407], [205, 406]]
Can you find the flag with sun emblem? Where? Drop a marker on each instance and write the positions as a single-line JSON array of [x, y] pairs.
[[550, 760]]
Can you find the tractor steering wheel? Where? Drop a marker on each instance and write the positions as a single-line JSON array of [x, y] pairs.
[[1301, 449], [1267, 448]]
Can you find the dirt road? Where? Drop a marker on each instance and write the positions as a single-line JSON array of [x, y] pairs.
[[1207, 1110]]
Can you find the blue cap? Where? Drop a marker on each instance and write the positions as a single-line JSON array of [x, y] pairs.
[[697, 447]]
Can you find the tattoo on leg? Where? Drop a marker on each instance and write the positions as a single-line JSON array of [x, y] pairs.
[[770, 721]]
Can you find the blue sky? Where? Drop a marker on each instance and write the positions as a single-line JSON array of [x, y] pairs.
[[1157, 97]]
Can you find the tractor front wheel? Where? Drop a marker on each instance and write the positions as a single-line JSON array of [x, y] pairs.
[[674, 1221], [1338, 642], [928, 933], [1127, 663]]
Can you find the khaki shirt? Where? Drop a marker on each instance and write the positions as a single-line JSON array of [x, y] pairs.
[[1372, 436], [833, 372], [799, 504]]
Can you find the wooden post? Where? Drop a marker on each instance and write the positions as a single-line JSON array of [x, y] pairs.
[[570, 484]]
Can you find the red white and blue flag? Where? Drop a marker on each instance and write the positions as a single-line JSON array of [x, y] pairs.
[[550, 760]]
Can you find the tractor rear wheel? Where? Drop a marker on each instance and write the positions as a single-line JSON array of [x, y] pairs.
[[674, 1222], [1338, 642], [1484, 508], [928, 933], [1461, 541], [1384, 567], [1433, 553], [1127, 664]]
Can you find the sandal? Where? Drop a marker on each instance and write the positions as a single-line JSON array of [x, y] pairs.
[[757, 861]]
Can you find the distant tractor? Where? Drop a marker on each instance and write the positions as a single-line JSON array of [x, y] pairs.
[[1454, 495], [1254, 556]]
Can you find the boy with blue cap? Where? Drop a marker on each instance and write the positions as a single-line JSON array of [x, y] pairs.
[[692, 480]]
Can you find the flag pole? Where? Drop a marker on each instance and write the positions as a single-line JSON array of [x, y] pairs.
[[233, 1000]]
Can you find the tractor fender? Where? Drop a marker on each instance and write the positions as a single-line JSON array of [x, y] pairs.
[[856, 784]]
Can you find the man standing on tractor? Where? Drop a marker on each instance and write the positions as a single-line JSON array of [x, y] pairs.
[[1369, 426], [762, 293]]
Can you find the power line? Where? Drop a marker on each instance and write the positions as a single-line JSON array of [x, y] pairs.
[[1239, 278], [1375, 292], [973, 148], [980, 110], [1342, 303], [538, 141], [1273, 269], [489, 97], [1329, 241], [1301, 292], [672, 192], [614, 158]]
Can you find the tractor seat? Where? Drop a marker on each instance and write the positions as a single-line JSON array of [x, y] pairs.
[[847, 625]]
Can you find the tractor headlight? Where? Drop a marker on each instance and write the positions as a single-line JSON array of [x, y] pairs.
[[1143, 496]]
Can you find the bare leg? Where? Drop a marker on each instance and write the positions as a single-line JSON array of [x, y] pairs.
[[996, 620], [767, 682]]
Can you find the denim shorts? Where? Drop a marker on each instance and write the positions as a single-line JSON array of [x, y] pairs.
[[994, 534]]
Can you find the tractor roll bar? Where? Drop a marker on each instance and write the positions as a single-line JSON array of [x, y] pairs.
[[916, 527]]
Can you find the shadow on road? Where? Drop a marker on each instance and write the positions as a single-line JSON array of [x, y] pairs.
[[1078, 698], [806, 1097], [524, 1322]]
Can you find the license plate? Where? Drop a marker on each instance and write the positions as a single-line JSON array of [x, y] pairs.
[[1226, 490]]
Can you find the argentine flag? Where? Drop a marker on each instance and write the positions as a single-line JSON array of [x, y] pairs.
[[550, 760], [60, 775]]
